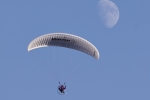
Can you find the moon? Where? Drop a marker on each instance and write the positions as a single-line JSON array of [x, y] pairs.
[[108, 12]]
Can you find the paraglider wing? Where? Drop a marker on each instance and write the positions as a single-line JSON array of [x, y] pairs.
[[65, 40]]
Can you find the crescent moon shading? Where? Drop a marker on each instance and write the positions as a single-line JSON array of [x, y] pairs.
[[108, 12]]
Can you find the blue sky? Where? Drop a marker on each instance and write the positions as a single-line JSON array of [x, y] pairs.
[[121, 73]]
